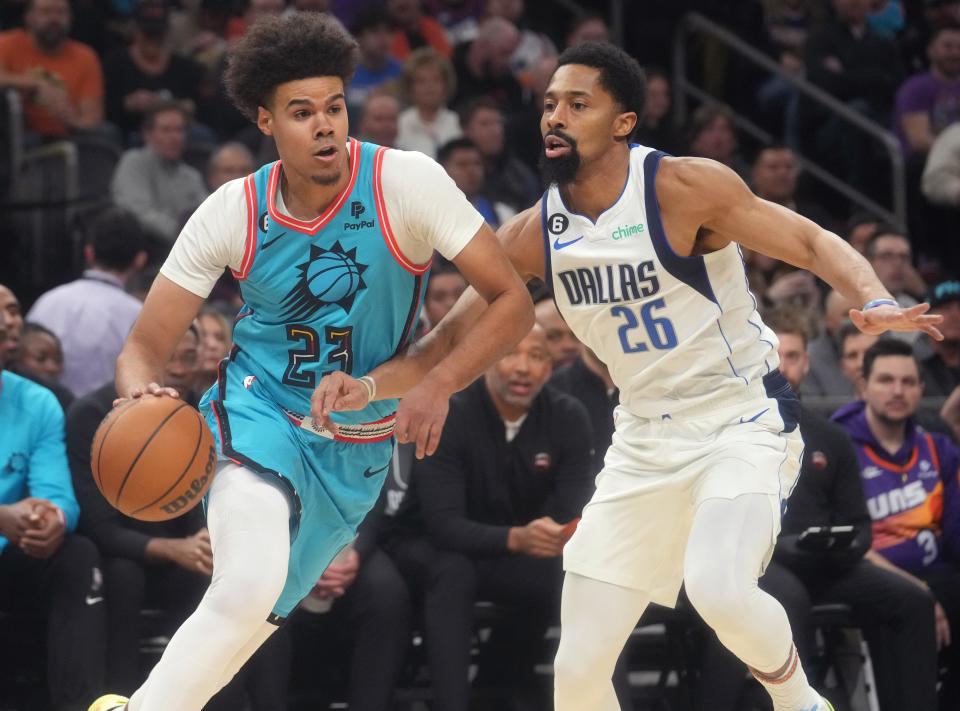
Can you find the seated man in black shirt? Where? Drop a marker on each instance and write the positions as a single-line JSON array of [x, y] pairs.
[[896, 616], [485, 518], [164, 566]]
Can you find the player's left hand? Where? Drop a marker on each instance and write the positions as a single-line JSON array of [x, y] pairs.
[[881, 319], [421, 415], [337, 392]]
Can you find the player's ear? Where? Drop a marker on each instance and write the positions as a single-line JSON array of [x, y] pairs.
[[264, 121], [624, 124]]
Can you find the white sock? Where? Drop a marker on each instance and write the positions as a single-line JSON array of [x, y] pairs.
[[790, 689]]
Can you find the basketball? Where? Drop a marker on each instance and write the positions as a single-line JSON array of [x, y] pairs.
[[333, 276], [153, 458]]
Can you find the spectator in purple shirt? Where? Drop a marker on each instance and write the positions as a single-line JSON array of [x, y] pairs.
[[930, 101], [910, 478]]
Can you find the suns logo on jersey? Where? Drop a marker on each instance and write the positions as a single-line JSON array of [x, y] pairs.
[[329, 276]]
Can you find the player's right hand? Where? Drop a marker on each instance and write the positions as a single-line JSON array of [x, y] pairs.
[[148, 389]]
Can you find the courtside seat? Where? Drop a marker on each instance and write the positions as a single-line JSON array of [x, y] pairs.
[[842, 667]]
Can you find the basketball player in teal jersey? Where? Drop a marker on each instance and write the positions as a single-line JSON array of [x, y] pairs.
[[331, 246], [641, 253]]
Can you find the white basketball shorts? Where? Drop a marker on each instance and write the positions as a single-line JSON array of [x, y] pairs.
[[634, 530]]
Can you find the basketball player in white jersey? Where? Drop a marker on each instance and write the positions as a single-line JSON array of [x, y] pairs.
[[642, 253]]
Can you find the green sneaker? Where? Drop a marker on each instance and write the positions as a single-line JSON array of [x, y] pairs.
[[110, 702]]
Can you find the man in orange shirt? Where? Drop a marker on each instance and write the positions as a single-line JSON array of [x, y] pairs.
[[59, 78], [415, 29]]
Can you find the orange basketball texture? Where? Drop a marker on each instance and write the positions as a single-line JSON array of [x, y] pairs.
[[153, 458]]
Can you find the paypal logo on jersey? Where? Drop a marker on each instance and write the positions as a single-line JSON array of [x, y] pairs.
[[357, 209], [610, 283]]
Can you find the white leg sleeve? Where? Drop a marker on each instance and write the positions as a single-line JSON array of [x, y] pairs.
[[596, 618], [730, 540], [249, 523], [243, 655]]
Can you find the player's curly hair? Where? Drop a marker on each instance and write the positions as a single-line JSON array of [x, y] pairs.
[[276, 50], [620, 74]]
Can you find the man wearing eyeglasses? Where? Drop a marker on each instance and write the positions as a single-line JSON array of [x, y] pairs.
[[891, 257]]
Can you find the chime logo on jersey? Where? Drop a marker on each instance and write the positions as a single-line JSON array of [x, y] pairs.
[[329, 276], [609, 283], [625, 231]]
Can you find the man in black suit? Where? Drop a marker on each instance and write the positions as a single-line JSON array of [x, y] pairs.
[[485, 518]]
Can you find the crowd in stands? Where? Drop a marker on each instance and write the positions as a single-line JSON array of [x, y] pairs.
[[478, 529]]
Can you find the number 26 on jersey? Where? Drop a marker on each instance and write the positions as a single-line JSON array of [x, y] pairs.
[[660, 333]]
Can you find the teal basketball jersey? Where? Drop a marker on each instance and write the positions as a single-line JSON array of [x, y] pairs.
[[332, 294]]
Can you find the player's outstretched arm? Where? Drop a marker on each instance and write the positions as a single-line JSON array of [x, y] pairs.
[[721, 202], [167, 313]]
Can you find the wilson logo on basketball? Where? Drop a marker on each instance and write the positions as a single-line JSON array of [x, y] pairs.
[[195, 487]]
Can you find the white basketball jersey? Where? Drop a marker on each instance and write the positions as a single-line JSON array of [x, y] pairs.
[[677, 333]]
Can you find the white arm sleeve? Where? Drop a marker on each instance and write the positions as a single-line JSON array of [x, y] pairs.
[[426, 209], [213, 238]]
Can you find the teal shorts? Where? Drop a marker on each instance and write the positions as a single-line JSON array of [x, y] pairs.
[[331, 483]]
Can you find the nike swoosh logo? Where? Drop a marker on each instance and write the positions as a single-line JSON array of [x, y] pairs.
[[93, 600], [557, 244], [267, 244], [367, 473], [754, 418]]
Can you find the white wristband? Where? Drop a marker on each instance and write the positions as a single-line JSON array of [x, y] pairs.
[[371, 385]]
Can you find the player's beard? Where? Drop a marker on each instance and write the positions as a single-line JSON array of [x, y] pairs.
[[560, 170], [331, 178]]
